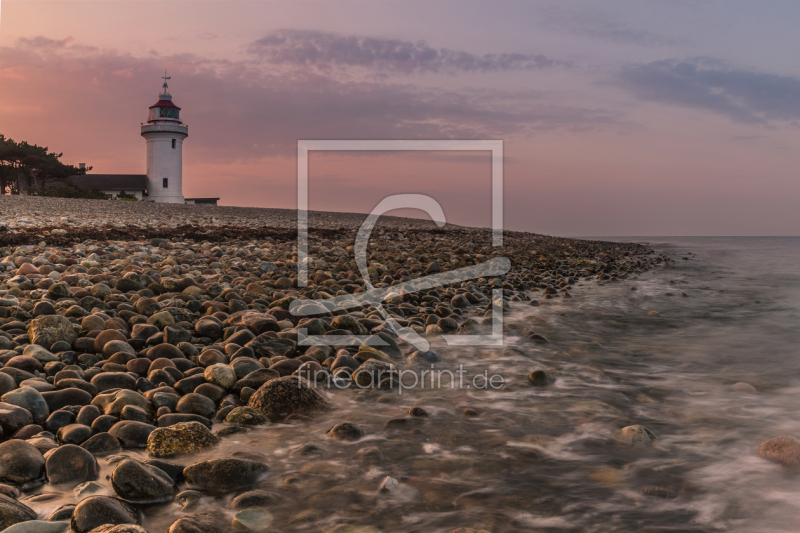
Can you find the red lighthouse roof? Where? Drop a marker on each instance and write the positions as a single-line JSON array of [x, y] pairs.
[[164, 103]]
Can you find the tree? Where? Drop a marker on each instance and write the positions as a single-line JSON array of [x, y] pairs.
[[29, 167]]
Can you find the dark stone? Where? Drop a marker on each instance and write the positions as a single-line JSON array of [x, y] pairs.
[[77, 383], [20, 462], [286, 367], [131, 434], [187, 385], [62, 513], [172, 470], [114, 380], [70, 463], [267, 346], [423, 358], [167, 351], [539, 378], [254, 499], [346, 431], [133, 412], [74, 434], [13, 418], [13, 512], [61, 398], [87, 415], [285, 396], [26, 432], [196, 404], [139, 483], [104, 423], [255, 380], [26, 363], [225, 475], [101, 444], [201, 523], [96, 511], [176, 418]]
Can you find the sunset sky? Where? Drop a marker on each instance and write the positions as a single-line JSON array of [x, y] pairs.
[[654, 118]]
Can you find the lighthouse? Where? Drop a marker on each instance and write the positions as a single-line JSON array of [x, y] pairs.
[[164, 133]]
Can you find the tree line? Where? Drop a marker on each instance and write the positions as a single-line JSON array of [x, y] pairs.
[[31, 168]]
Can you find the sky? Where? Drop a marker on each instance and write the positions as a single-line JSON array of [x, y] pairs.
[[669, 117]]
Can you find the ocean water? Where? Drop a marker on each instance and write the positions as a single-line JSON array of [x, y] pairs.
[[545, 459]]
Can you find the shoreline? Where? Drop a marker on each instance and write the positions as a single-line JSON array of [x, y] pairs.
[[149, 352]]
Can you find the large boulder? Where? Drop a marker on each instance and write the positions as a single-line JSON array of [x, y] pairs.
[[225, 475], [20, 462], [96, 511], [30, 399], [70, 463], [13, 512], [139, 483], [186, 437], [47, 330], [281, 397]]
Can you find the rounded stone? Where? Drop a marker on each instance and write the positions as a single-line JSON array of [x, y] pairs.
[[49, 329], [13, 418], [13, 512], [20, 462], [30, 399], [637, 436], [139, 483], [71, 464], [252, 520], [196, 404], [113, 380], [784, 450], [281, 397], [74, 434], [182, 438], [246, 416], [37, 526], [132, 434], [221, 375], [225, 475], [101, 444], [105, 337], [96, 511], [346, 431]]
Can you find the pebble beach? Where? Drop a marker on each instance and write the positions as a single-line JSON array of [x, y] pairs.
[[155, 376]]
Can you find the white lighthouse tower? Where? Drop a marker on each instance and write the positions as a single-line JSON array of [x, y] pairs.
[[164, 133]]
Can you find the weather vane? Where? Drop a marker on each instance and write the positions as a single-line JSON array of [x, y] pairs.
[[165, 78]]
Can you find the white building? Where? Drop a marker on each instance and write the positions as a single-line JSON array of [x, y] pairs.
[[164, 134]]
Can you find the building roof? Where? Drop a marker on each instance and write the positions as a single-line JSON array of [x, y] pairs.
[[109, 182], [163, 103]]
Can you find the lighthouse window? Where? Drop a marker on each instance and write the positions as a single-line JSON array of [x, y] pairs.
[[173, 144], [166, 182], [168, 112]]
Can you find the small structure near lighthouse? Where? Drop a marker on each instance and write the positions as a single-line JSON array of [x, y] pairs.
[[165, 133]]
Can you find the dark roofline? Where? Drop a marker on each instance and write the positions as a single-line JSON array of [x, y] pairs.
[[109, 182]]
